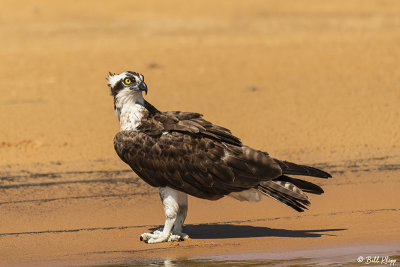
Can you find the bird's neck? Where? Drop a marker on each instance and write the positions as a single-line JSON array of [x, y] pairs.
[[130, 109]]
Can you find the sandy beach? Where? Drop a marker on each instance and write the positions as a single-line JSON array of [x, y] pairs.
[[307, 81]]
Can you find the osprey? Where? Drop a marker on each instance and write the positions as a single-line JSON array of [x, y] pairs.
[[181, 153]]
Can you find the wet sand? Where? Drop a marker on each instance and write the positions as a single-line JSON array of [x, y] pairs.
[[311, 82]]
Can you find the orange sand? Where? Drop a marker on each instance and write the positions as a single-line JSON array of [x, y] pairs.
[[313, 82]]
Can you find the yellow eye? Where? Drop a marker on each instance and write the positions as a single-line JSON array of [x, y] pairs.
[[127, 81]]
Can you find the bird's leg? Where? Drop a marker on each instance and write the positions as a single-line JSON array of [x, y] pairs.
[[181, 216], [172, 200]]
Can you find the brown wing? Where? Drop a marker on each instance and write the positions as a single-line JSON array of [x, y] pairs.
[[196, 164], [186, 122]]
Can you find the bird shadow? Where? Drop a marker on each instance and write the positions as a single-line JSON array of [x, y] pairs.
[[222, 231]]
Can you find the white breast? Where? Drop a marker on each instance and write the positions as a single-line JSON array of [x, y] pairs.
[[130, 116], [129, 108]]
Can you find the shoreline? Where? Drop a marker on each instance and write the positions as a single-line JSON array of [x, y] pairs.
[[327, 255], [96, 217]]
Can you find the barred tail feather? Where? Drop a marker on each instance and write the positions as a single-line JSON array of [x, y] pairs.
[[302, 184], [286, 188], [295, 199]]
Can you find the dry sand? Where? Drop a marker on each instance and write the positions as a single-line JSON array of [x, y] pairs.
[[313, 82]]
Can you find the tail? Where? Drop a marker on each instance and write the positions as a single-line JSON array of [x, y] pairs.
[[290, 191], [302, 184], [285, 193], [294, 169]]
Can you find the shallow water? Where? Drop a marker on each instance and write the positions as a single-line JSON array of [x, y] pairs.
[[389, 255]]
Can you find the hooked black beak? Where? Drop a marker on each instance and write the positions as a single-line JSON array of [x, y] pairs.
[[143, 87]]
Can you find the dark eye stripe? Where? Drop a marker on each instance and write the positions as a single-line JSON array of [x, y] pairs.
[[118, 86]]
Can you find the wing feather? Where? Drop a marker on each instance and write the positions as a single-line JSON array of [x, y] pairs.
[[186, 122], [194, 164]]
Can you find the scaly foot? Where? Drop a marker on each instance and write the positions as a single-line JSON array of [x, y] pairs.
[[159, 236]]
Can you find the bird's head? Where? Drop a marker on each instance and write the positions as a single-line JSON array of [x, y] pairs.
[[128, 82]]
